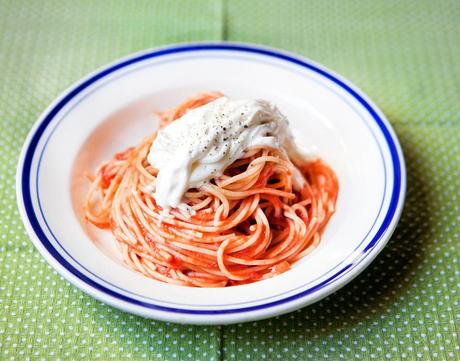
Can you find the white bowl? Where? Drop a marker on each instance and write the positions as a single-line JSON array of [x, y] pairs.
[[113, 108]]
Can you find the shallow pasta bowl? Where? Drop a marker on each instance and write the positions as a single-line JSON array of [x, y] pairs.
[[113, 108]]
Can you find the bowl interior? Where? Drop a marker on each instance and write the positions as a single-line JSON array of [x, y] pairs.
[[118, 110]]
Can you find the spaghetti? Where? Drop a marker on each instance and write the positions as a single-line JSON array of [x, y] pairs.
[[247, 225]]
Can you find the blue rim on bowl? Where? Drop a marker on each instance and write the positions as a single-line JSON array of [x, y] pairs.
[[98, 290]]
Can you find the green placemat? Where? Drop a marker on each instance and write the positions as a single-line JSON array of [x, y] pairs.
[[404, 54]]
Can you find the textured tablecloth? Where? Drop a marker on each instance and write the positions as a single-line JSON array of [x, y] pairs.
[[403, 54]]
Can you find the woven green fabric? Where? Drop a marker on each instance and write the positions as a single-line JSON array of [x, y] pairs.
[[403, 54]]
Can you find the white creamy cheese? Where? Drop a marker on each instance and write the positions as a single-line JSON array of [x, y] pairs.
[[203, 142]]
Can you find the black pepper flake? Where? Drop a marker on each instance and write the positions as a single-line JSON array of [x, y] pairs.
[[246, 126]]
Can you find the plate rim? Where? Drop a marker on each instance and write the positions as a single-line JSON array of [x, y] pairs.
[[286, 304]]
